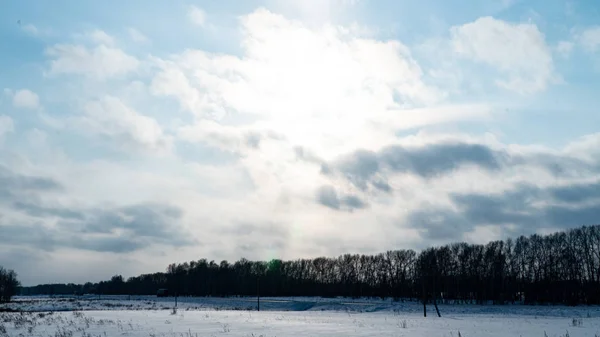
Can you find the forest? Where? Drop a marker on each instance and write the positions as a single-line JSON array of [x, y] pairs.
[[559, 268]]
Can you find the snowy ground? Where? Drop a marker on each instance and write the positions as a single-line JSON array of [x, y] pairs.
[[195, 317], [271, 323], [96, 303]]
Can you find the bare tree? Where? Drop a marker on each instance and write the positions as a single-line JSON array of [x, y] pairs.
[[9, 284]]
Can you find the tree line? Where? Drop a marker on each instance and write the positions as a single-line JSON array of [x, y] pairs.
[[9, 284], [559, 268]]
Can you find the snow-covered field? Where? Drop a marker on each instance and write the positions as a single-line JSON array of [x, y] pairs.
[[150, 316]]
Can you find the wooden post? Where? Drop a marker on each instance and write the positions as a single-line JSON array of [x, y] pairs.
[[424, 300], [435, 300]]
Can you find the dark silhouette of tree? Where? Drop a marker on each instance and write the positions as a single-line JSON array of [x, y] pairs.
[[560, 268], [9, 284]]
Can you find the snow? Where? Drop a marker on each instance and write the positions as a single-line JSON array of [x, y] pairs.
[[151, 316], [273, 323]]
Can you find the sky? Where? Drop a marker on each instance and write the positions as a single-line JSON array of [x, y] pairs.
[[134, 134]]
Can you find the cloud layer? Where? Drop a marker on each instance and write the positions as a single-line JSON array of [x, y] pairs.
[[283, 133]]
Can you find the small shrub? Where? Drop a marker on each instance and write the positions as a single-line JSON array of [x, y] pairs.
[[576, 322], [403, 324]]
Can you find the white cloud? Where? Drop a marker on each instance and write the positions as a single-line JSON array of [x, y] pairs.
[[237, 139], [111, 118], [517, 50], [227, 138], [590, 39], [100, 62], [328, 90], [505, 4], [295, 96], [26, 99], [303, 82], [313, 11], [31, 29], [6, 125], [37, 31], [137, 36], [564, 48], [587, 147], [36, 137], [100, 37], [197, 16], [324, 89]]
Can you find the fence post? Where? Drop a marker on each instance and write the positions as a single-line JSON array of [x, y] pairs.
[[424, 300]]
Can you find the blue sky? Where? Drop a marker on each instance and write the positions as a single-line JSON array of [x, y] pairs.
[[288, 129]]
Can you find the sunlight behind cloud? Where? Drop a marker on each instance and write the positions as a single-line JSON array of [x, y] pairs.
[[301, 82]]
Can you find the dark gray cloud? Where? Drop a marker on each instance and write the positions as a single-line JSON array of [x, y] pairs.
[[306, 155], [151, 220], [558, 165], [117, 244], [353, 202], [41, 211], [382, 186], [15, 186], [138, 226], [22, 192], [329, 197], [119, 230], [576, 193], [526, 207], [11, 181], [33, 234], [253, 139], [438, 159], [367, 169]]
